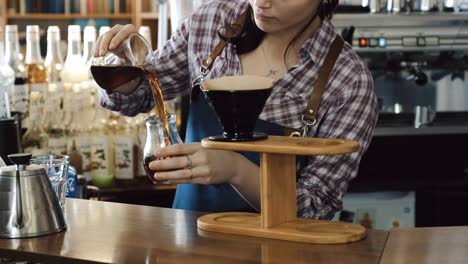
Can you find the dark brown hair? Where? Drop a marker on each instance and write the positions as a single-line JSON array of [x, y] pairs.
[[250, 36]]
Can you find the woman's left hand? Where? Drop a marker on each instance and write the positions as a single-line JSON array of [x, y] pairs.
[[191, 163]]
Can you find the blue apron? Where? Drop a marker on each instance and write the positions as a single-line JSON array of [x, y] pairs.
[[202, 123]]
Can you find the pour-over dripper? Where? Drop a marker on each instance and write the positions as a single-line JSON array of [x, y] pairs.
[[237, 102]]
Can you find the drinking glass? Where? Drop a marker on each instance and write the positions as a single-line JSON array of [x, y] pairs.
[[56, 167]]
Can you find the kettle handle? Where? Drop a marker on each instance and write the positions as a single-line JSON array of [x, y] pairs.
[[19, 159]]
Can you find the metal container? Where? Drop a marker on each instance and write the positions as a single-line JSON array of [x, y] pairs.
[[28, 205]]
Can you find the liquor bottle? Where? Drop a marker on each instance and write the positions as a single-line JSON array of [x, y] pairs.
[[102, 150], [20, 97], [37, 74], [67, 108], [124, 141], [35, 140], [7, 77], [54, 125], [74, 70], [78, 136], [103, 30], [89, 39], [75, 77], [75, 73], [53, 60], [89, 88]]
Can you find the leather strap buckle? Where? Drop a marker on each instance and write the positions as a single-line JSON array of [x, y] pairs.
[[307, 125], [203, 72]]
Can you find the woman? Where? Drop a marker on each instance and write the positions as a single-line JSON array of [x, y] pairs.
[[284, 40]]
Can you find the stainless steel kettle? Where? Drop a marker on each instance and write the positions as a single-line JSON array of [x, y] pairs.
[[28, 204]]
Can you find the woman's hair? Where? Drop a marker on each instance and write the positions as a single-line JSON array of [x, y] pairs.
[[250, 36]]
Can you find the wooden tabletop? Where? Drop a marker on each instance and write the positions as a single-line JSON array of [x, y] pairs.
[[427, 245], [103, 232]]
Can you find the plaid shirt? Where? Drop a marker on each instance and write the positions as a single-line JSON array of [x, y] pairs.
[[348, 109]]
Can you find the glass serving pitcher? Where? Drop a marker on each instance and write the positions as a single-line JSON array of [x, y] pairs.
[[156, 138], [123, 68]]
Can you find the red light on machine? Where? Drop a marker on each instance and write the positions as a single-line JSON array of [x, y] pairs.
[[362, 42]]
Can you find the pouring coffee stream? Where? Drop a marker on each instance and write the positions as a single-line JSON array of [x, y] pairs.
[[112, 77]]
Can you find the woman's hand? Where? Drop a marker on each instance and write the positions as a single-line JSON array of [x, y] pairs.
[[112, 39], [191, 163]]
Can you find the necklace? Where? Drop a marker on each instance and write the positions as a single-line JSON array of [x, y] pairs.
[[272, 72]]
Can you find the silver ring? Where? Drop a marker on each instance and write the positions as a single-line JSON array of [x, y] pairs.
[[189, 164]]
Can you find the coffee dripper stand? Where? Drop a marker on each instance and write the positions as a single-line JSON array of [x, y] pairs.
[[278, 219], [278, 193]]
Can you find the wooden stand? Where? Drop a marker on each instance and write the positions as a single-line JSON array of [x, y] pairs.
[[278, 194]]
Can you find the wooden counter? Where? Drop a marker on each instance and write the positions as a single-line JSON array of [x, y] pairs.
[[427, 245], [103, 232]]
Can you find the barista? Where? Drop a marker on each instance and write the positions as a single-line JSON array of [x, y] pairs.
[[287, 41]]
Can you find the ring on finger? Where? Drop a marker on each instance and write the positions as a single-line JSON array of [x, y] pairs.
[[189, 163]]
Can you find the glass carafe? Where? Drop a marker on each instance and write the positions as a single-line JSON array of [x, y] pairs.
[[124, 67], [156, 138]]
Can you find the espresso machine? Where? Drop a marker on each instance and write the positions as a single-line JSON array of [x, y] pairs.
[[416, 59], [419, 63]]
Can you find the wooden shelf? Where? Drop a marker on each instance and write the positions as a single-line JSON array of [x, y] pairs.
[[69, 16], [149, 15]]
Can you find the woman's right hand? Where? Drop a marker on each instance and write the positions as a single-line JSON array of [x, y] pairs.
[[112, 39]]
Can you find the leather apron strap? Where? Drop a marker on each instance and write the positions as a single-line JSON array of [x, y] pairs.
[[322, 80], [309, 118], [232, 31]]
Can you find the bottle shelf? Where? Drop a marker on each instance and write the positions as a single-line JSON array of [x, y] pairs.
[[68, 16], [149, 15]]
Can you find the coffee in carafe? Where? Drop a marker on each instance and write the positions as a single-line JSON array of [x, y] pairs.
[[111, 78]]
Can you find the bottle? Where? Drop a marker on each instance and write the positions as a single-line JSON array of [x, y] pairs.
[[53, 60], [74, 70], [156, 138], [37, 74], [75, 77], [88, 86], [89, 39], [19, 99], [124, 141], [7, 77], [35, 140], [75, 73], [78, 134], [103, 30], [67, 108], [102, 157], [54, 125]]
